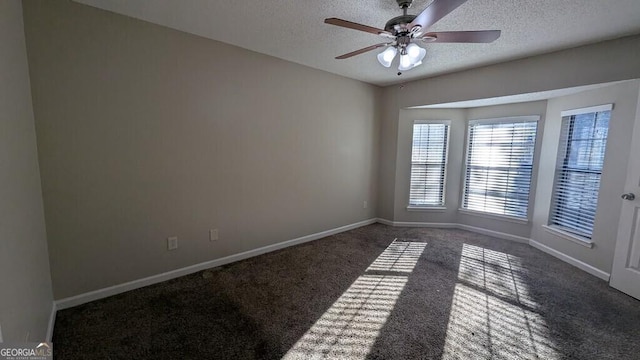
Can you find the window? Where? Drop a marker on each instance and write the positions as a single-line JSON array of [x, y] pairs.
[[499, 165], [579, 168], [428, 163]]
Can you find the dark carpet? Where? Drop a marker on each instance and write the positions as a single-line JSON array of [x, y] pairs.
[[430, 294]]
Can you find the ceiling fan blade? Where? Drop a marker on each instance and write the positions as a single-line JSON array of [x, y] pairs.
[[482, 36], [361, 51], [356, 26], [434, 12]]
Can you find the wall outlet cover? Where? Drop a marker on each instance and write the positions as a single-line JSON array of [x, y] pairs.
[[172, 243]]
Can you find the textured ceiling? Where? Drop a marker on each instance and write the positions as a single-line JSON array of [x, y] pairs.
[[294, 30]]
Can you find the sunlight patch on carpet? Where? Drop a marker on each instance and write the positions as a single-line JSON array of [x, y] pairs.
[[350, 327], [492, 313], [400, 256]]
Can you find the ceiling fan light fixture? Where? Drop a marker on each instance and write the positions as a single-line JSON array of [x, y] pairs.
[[412, 57], [415, 52], [386, 57], [405, 62], [402, 32]]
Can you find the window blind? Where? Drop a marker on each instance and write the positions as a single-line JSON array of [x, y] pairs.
[[428, 163], [578, 171], [499, 165]]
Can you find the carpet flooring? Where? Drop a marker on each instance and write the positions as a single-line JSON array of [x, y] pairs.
[[376, 292]]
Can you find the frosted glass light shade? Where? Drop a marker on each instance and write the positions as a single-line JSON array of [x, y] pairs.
[[413, 51], [413, 57], [386, 57], [405, 62], [416, 53]]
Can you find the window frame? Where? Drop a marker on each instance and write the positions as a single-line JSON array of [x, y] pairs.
[[443, 206], [534, 166], [563, 231]]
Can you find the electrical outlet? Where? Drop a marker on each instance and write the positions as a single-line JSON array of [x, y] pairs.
[[213, 235], [364, 205], [172, 243]]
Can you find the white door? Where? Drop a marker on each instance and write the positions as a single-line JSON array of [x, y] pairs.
[[625, 275]]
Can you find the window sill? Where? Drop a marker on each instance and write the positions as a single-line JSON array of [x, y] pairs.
[[569, 236], [512, 219], [426, 208]]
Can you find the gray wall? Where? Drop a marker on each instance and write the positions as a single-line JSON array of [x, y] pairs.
[[146, 132], [625, 99], [25, 284]]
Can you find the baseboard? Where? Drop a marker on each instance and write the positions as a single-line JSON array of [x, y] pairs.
[[384, 221], [417, 224], [52, 321], [566, 258], [136, 284], [478, 230], [573, 261], [497, 234]]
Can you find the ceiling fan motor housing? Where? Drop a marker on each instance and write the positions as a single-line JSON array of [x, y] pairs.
[[398, 24]]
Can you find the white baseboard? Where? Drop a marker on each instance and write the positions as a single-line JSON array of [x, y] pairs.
[[384, 221], [566, 258], [416, 224], [136, 284], [493, 233], [52, 321], [573, 261], [478, 230]]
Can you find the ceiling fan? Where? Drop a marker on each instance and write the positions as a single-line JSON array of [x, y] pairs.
[[405, 31]]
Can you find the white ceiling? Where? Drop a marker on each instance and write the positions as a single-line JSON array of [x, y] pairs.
[[294, 30]]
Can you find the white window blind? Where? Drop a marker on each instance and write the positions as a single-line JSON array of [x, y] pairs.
[[428, 163], [578, 171], [499, 165]]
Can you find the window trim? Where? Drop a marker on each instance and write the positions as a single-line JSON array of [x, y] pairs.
[[433, 208], [487, 215], [500, 120], [443, 206], [587, 110], [558, 230], [505, 120]]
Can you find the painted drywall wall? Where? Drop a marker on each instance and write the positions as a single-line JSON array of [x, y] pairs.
[[455, 167], [146, 132], [593, 64], [389, 113], [25, 284], [624, 96]]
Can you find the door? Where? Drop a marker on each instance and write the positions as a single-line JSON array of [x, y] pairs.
[[625, 275]]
